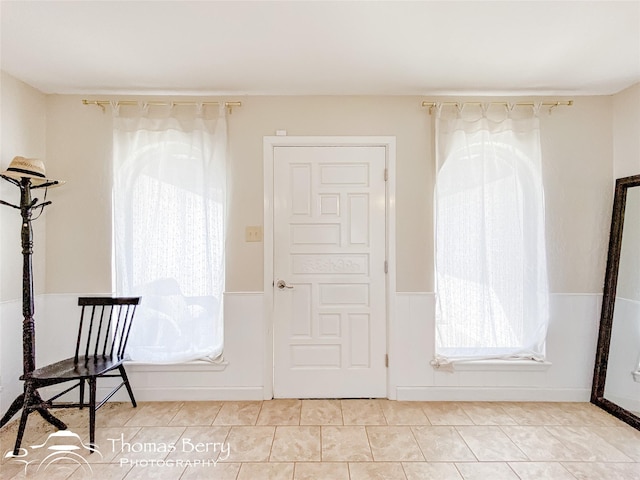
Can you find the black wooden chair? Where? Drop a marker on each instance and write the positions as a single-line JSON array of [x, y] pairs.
[[103, 332]]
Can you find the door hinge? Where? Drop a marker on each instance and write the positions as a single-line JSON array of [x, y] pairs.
[[386, 360], [386, 174], [386, 266]]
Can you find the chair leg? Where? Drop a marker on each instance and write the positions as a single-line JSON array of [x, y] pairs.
[[123, 374], [81, 393], [92, 413]]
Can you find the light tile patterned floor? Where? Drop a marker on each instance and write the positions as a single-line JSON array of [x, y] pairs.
[[336, 440]]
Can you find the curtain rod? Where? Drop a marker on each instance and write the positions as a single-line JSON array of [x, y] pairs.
[[551, 105], [102, 103]]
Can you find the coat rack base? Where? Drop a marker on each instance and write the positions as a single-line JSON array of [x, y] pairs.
[[30, 401]]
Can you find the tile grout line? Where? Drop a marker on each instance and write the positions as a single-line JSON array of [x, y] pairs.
[[514, 443], [455, 427], [255, 422]]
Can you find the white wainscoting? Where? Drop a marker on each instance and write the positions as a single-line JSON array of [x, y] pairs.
[[10, 352], [241, 379], [56, 326], [570, 347]]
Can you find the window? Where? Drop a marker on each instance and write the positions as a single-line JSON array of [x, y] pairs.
[[169, 210], [491, 280]]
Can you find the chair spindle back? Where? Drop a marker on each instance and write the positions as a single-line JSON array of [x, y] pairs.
[[105, 324]]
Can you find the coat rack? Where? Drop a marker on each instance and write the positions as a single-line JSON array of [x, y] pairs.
[[27, 207]]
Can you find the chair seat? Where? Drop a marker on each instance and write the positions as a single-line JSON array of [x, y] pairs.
[[85, 367]]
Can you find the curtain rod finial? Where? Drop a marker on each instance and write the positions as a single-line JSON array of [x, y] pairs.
[[94, 102]]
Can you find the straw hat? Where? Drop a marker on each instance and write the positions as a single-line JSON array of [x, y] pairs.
[[32, 168]]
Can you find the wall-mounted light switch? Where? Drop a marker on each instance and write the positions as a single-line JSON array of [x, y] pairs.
[[253, 234]]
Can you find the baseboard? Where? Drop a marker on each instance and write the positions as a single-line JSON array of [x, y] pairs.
[[492, 394], [185, 394]]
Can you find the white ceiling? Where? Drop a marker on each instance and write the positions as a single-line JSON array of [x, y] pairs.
[[322, 47]]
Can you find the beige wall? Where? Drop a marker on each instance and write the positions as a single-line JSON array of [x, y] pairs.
[[626, 132], [23, 127], [626, 162], [577, 152], [625, 331], [576, 157], [79, 235], [399, 116]]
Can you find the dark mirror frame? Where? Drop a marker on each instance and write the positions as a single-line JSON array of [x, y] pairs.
[[608, 304]]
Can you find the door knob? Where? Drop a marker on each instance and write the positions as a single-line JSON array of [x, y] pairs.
[[282, 285]]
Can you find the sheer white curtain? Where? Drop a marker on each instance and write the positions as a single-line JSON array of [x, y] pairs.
[[491, 271], [169, 227]]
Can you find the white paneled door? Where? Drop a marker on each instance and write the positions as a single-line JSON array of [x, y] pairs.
[[329, 271]]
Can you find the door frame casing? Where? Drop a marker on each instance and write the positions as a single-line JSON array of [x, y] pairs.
[[269, 144]]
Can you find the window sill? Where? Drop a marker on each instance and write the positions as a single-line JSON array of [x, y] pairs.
[[496, 366], [193, 366]]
